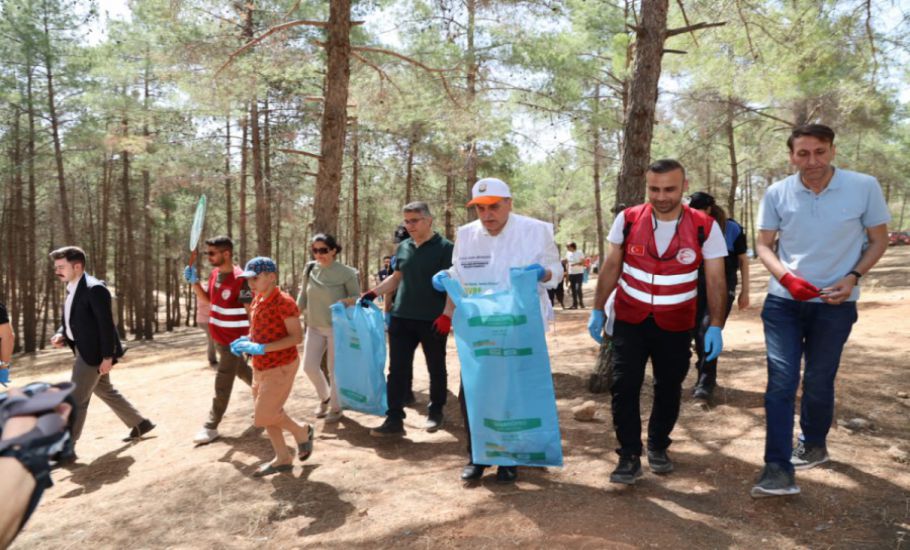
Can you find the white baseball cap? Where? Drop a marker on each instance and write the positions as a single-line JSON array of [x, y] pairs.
[[489, 191]]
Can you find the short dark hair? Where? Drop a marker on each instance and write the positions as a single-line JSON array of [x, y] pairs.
[[664, 166], [386, 257], [329, 241], [221, 242], [72, 254], [572, 245], [818, 131]]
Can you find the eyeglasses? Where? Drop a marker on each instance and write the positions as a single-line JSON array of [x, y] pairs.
[[412, 221], [320, 250]]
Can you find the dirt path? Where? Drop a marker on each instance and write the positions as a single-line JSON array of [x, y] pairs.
[[359, 492]]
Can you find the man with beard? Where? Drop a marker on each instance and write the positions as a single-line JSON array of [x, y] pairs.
[[229, 297], [655, 251]]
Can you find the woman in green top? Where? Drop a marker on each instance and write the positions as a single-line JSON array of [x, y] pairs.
[[325, 282]]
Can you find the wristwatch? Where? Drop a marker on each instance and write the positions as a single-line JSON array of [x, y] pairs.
[[856, 274]]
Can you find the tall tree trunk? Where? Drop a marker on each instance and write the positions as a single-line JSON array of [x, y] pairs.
[[734, 165], [148, 309], [105, 217], [263, 208], [639, 124], [65, 220], [129, 290], [595, 138], [334, 118], [450, 204], [409, 172], [29, 316], [227, 178], [355, 195], [244, 156], [17, 250], [900, 223], [470, 148]]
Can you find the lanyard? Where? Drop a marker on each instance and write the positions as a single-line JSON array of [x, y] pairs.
[[652, 243]]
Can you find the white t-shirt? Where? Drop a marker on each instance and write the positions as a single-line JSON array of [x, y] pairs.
[[575, 257], [481, 262], [715, 245]]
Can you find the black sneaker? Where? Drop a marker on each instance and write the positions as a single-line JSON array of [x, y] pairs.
[[389, 428], [435, 420], [775, 481], [140, 429], [627, 471], [506, 474], [659, 462], [806, 455], [472, 472]]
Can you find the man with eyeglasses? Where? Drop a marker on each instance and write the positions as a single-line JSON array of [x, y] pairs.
[[416, 318], [229, 297], [655, 251]]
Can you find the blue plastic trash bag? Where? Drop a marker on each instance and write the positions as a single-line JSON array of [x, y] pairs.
[[359, 335], [505, 369], [584, 279]]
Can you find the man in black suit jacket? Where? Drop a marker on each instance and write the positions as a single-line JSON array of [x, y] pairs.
[[88, 329]]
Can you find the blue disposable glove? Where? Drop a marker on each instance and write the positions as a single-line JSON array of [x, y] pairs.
[[387, 317], [596, 325], [237, 342], [4, 376], [439, 280], [539, 269], [247, 347], [190, 275], [714, 343]]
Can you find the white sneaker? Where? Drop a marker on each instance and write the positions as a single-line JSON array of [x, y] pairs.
[[322, 408], [334, 416], [204, 436]]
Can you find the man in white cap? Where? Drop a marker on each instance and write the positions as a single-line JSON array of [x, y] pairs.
[[485, 250]]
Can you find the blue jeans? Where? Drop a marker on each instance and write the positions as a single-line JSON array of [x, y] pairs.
[[793, 329]]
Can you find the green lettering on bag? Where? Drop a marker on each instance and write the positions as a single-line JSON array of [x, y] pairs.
[[513, 425], [497, 320], [502, 352], [524, 457], [360, 398]]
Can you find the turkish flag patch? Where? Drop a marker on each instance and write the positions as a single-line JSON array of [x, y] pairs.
[[637, 249]]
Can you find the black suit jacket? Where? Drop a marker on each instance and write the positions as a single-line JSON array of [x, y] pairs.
[[92, 323]]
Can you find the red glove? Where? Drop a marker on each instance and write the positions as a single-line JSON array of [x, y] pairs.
[[443, 325], [800, 289]]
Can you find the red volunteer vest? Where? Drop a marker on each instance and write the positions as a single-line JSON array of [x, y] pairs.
[[665, 287], [227, 319]]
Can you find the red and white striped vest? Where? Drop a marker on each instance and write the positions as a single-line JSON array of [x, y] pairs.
[[227, 319], [664, 287]]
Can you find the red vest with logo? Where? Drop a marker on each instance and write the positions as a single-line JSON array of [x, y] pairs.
[[227, 319], [663, 286]]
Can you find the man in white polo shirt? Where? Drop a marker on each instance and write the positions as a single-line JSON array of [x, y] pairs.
[[485, 250], [833, 229], [656, 249]]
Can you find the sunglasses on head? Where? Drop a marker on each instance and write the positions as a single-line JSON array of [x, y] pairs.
[[320, 250]]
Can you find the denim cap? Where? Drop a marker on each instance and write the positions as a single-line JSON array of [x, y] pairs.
[[259, 265]]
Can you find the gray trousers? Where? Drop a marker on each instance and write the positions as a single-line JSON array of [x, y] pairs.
[[89, 381], [229, 367]]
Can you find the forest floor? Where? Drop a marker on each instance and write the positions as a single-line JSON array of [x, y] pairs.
[[361, 492]]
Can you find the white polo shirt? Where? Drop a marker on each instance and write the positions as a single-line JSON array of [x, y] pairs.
[[575, 257], [481, 262]]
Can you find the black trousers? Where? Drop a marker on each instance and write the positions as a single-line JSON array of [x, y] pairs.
[[707, 370], [633, 345], [575, 282], [404, 336]]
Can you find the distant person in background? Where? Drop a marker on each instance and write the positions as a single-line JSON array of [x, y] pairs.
[[386, 268], [736, 260], [576, 260], [202, 319], [558, 293], [7, 340]]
